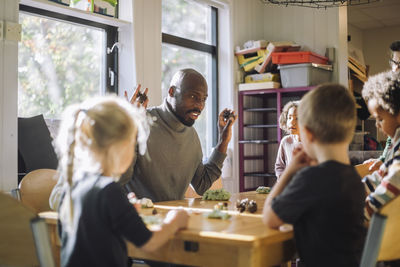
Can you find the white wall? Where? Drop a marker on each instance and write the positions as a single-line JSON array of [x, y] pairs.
[[356, 37], [376, 44], [314, 29], [8, 101]]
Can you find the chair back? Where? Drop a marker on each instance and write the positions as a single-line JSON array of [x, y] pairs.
[[17, 247], [383, 238], [35, 189], [35, 149], [390, 247]]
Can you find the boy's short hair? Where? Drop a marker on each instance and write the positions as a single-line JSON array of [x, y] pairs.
[[385, 89], [284, 114], [395, 46], [329, 112]]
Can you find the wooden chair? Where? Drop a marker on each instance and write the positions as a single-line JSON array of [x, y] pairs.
[[20, 230], [35, 189], [362, 169], [191, 193], [383, 238]]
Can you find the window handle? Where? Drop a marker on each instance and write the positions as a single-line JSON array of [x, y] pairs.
[[110, 50], [111, 75]]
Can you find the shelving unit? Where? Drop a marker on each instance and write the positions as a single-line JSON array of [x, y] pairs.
[[259, 133]]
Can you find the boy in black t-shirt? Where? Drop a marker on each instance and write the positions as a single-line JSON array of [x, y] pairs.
[[320, 193]]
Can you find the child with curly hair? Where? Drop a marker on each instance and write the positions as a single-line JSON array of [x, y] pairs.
[[382, 94], [288, 123], [394, 62]]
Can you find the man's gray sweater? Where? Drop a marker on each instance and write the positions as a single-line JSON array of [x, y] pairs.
[[173, 160]]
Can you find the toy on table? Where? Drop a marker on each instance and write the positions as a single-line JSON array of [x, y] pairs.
[[246, 204], [218, 213], [216, 194], [221, 206], [263, 190], [152, 219], [140, 203]]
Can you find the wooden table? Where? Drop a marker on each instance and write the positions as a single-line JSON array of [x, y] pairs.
[[243, 240], [197, 204]]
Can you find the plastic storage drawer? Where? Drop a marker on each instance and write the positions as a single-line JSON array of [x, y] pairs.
[[298, 57], [307, 74]]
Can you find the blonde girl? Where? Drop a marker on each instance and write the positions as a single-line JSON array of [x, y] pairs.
[[288, 123], [96, 145]]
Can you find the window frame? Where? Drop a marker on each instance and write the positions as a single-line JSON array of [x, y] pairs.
[[211, 49], [111, 33]]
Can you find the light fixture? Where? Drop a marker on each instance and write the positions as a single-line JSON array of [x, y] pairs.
[[319, 3]]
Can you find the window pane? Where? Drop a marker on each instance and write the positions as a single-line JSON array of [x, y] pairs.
[[187, 19], [175, 58], [59, 63]]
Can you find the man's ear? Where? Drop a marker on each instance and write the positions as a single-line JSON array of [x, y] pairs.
[[171, 91]]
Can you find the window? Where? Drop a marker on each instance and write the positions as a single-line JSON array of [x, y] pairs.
[[189, 36], [61, 61]]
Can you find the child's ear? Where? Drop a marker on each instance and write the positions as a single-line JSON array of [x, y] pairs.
[[309, 134]]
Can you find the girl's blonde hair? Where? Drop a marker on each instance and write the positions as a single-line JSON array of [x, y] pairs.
[[87, 132], [284, 114]]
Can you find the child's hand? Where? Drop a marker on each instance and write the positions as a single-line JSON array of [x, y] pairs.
[[300, 160], [178, 217], [373, 164]]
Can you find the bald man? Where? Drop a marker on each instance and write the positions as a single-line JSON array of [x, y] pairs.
[[174, 157]]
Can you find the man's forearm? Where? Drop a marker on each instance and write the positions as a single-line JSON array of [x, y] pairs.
[[222, 147]]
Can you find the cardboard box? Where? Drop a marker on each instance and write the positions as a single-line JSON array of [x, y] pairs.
[[105, 7], [249, 60], [266, 64], [262, 77], [258, 86], [251, 54], [63, 2], [85, 5]]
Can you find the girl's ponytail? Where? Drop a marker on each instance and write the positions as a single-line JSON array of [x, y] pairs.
[[67, 207]]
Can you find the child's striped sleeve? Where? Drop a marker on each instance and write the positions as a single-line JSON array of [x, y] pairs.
[[387, 190]]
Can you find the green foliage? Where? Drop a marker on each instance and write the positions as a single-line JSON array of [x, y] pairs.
[[59, 64]]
